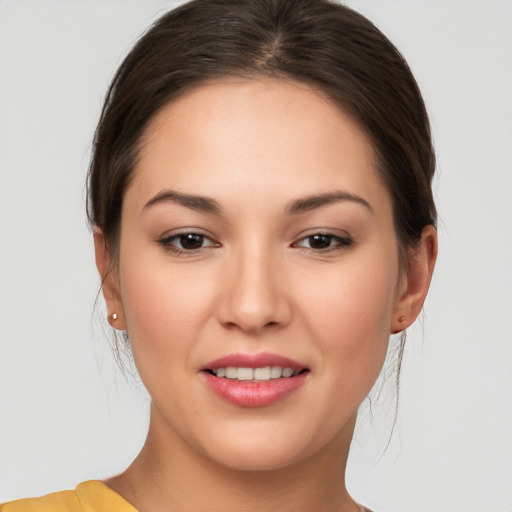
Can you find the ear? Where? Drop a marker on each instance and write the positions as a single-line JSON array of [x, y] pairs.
[[109, 281], [415, 281]]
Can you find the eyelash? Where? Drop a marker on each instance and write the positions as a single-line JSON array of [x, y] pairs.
[[168, 242], [335, 243], [340, 242]]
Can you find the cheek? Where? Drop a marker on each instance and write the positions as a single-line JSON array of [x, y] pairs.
[[354, 298], [165, 309], [349, 312]]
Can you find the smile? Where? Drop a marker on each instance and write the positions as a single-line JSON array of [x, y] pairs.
[[259, 380], [255, 374]]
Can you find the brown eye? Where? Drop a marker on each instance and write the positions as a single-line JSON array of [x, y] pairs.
[[187, 242], [191, 241], [320, 241], [324, 242]]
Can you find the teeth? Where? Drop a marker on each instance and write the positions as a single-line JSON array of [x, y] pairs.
[[245, 374], [231, 373], [276, 372], [255, 374], [287, 372], [262, 373]]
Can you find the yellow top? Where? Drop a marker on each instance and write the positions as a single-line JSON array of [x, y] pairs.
[[91, 496]]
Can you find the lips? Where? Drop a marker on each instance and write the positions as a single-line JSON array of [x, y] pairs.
[[253, 361], [254, 380]]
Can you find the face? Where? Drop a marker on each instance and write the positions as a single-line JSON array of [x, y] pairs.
[[257, 241]]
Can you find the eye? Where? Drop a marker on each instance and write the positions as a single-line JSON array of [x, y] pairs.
[[187, 242], [324, 242]]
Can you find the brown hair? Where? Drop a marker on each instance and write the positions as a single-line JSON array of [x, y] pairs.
[[319, 42]]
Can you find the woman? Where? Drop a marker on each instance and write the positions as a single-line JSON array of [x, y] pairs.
[[260, 194]]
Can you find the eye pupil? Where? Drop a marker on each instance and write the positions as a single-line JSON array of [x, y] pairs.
[[191, 241], [319, 241]]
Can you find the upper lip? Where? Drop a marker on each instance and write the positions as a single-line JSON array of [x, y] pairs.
[[253, 361]]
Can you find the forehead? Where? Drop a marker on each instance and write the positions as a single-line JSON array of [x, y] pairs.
[[269, 137]]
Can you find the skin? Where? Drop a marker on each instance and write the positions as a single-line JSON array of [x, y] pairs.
[[256, 285]]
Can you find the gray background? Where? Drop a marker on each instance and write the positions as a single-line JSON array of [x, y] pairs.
[[66, 412]]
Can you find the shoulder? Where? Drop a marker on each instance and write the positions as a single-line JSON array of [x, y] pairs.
[[90, 496], [64, 501]]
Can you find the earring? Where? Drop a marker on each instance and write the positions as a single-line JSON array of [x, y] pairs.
[[401, 320], [114, 316]]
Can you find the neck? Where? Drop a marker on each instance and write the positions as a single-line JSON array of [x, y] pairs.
[[168, 475]]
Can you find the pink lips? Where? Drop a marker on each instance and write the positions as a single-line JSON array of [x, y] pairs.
[[253, 361], [251, 393]]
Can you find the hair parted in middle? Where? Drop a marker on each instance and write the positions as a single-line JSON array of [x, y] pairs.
[[326, 45]]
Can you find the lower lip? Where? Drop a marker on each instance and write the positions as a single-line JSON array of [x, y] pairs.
[[254, 394]]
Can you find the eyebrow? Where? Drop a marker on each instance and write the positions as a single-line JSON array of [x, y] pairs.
[[297, 206], [198, 203], [306, 204]]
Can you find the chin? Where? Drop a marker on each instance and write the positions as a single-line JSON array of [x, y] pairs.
[[257, 459], [265, 449]]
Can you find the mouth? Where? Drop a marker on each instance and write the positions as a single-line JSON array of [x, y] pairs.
[[261, 374], [254, 380], [255, 367]]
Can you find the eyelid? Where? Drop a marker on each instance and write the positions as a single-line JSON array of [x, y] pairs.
[[343, 240], [334, 232], [166, 240]]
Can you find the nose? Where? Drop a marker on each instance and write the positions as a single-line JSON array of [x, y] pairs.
[[254, 294]]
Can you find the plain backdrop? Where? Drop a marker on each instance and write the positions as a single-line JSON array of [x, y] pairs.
[[66, 412]]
